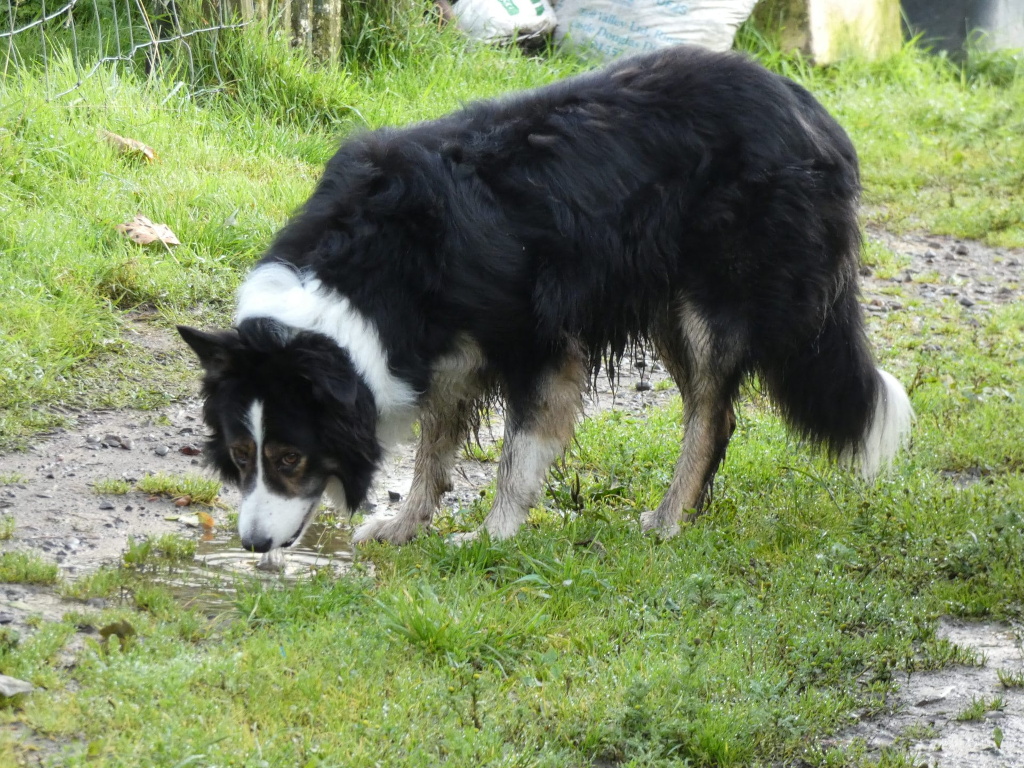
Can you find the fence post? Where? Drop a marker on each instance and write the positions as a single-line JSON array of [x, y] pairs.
[[326, 29]]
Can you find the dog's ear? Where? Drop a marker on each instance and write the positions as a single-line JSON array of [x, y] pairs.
[[330, 380], [333, 385], [213, 349]]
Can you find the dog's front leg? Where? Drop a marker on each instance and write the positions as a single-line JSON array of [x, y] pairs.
[[536, 433], [443, 429]]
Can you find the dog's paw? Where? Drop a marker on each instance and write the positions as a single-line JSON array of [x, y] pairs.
[[655, 524], [394, 529]]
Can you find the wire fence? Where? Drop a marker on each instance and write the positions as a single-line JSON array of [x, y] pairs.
[[52, 38], [78, 38]]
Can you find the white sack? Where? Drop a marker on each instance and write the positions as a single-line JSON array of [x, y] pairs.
[[616, 27], [504, 20]]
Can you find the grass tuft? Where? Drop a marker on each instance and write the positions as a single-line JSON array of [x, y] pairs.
[[200, 489], [26, 568]]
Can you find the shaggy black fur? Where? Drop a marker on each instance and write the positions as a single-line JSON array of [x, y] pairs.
[[584, 215]]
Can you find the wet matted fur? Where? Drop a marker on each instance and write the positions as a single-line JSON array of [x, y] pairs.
[[686, 199]]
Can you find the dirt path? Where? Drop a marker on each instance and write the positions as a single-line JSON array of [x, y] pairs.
[[49, 491]]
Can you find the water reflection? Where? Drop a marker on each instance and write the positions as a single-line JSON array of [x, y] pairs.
[[211, 581]]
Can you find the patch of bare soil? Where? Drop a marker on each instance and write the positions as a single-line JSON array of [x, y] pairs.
[[937, 714], [940, 268]]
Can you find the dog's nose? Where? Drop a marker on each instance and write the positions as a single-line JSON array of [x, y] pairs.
[[257, 543]]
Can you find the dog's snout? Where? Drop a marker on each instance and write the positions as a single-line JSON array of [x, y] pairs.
[[257, 543]]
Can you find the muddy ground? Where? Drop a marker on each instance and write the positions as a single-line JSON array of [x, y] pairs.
[[49, 491]]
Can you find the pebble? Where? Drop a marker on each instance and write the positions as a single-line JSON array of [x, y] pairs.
[[161, 450], [394, 496], [966, 302], [106, 505]]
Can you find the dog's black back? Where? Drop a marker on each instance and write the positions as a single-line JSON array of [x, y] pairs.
[[685, 198], [583, 209]]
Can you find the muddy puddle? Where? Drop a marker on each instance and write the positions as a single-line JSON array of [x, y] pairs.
[[210, 582]]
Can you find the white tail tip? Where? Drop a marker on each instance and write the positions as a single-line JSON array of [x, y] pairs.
[[889, 429]]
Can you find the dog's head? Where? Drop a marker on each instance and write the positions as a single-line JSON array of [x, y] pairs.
[[287, 413]]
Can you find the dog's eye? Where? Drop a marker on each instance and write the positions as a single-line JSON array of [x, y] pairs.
[[290, 459]]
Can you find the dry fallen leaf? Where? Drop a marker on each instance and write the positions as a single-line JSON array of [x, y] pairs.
[[132, 147], [143, 231], [205, 520]]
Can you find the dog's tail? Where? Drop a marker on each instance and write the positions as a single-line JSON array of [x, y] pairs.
[[830, 392]]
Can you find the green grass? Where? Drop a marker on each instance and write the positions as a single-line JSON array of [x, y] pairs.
[[802, 597], [26, 568], [7, 527], [198, 488], [111, 487], [153, 551], [978, 707]]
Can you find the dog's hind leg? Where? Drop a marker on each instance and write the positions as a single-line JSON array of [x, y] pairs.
[[537, 432], [707, 365], [445, 423]]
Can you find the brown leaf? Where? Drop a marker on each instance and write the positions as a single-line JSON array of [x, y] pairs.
[[132, 147], [183, 501], [143, 231], [205, 520]]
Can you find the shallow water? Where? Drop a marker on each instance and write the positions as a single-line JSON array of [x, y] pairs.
[[211, 581]]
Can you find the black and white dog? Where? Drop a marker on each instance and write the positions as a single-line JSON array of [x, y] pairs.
[[686, 199]]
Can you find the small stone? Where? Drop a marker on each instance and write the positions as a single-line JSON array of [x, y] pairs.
[[191, 450], [128, 444], [962, 249], [161, 450], [92, 440], [966, 302], [643, 386], [12, 686], [106, 505], [111, 441], [394, 496]]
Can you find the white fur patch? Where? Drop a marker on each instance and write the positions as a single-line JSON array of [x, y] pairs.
[[300, 300], [525, 460], [889, 428], [264, 513]]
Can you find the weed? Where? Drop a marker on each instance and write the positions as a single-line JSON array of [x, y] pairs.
[[103, 582], [167, 549], [978, 707], [111, 486], [1009, 679], [476, 451], [26, 568], [7, 527], [199, 489]]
